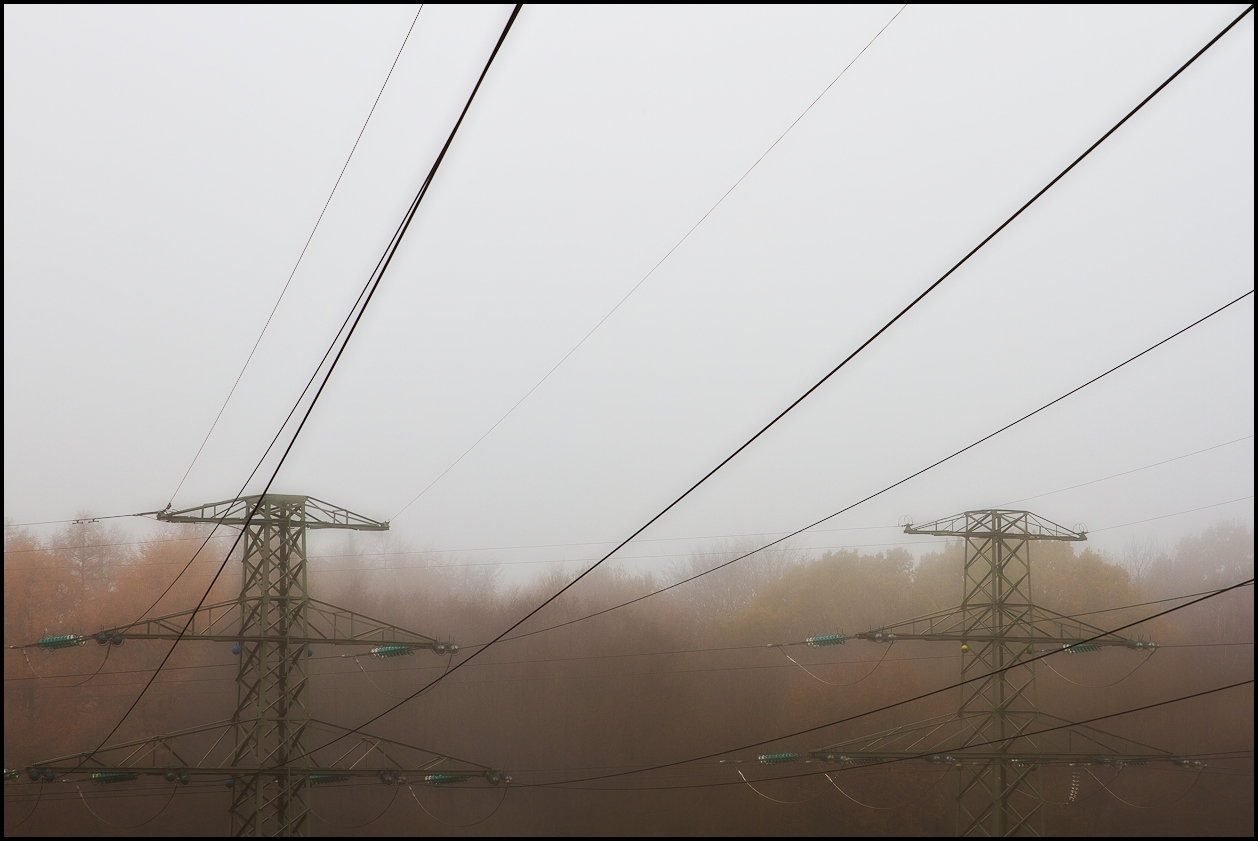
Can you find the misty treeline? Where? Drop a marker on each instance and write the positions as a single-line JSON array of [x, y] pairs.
[[683, 674]]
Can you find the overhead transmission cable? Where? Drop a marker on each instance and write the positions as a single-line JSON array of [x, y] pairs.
[[267, 324], [304, 248], [818, 384], [1177, 513], [1129, 472], [894, 485], [368, 292], [640, 540], [674, 653], [653, 269], [79, 519], [933, 692], [889, 761]]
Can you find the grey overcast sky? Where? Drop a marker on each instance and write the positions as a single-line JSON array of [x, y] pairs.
[[164, 165]]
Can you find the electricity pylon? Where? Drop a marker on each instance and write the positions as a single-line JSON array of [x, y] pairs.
[[272, 625], [995, 738]]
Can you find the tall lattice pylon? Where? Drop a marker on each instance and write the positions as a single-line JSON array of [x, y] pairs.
[[272, 625], [994, 739]]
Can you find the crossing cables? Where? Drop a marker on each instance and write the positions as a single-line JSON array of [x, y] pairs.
[[948, 688], [894, 485], [932, 287], [353, 320]]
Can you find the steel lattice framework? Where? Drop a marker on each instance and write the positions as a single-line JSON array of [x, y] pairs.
[[273, 623], [998, 739]]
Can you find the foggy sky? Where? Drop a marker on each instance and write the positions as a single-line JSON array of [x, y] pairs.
[[164, 166]]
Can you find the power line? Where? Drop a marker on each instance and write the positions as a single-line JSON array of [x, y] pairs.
[[825, 378], [661, 261], [1107, 610], [893, 485], [1176, 514], [292, 411], [76, 520], [675, 652], [54, 549], [197, 787], [924, 695], [891, 761], [604, 542], [373, 284], [552, 677], [291, 274], [267, 324], [410, 669], [1128, 472]]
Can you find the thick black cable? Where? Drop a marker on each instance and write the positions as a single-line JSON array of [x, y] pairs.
[[886, 762], [659, 263], [825, 378], [678, 652], [182, 689], [40, 549], [921, 696], [15, 793], [318, 368], [287, 283], [300, 256], [372, 285], [892, 486], [38, 796]]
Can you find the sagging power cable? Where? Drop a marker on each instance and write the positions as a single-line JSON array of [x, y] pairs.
[[369, 290], [894, 485], [818, 384], [889, 761], [950, 687], [296, 265], [41, 549], [652, 271]]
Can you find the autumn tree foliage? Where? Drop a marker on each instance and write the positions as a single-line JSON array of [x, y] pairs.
[[683, 674]]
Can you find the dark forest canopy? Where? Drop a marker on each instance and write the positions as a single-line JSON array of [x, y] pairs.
[[682, 674]]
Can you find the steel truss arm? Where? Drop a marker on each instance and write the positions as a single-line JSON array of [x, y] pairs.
[[314, 513], [1048, 627], [184, 754], [221, 622], [1000, 523]]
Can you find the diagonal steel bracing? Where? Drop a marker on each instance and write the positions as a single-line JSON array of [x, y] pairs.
[[992, 740], [260, 752]]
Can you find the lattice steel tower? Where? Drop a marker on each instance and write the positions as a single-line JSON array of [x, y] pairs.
[[992, 739], [272, 625]]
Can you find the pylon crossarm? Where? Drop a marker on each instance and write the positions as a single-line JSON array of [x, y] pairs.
[[299, 512], [1069, 626], [378, 770], [340, 626], [1003, 523], [127, 750], [271, 626], [1104, 741], [368, 756], [1047, 627], [221, 621], [904, 737], [380, 743], [953, 731]]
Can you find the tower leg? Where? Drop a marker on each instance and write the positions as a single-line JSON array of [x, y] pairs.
[[271, 710]]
